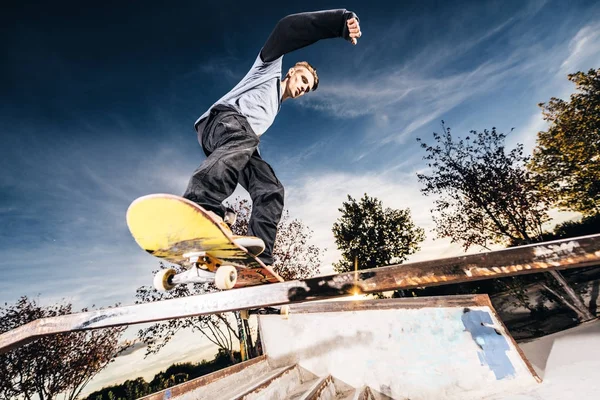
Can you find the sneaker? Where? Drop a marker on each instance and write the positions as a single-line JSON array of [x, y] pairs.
[[254, 245]]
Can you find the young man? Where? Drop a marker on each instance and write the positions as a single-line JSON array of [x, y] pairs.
[[229, 132]]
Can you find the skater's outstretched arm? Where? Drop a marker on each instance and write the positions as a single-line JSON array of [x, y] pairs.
[[300, 30]]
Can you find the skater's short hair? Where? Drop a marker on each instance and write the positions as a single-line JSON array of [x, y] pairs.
[[312, 70]]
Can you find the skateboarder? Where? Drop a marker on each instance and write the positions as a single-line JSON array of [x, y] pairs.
[[229, 131]]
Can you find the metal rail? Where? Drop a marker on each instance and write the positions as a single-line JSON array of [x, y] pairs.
[[561, 254]]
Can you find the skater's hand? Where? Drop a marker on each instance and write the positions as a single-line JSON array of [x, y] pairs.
[[353, 29]]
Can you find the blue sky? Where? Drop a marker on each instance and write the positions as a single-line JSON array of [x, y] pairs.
[[98, 103]]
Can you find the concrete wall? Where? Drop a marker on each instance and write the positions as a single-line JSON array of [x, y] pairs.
[[452, 348]]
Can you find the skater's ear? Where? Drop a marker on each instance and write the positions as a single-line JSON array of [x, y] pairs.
[[291, 72]]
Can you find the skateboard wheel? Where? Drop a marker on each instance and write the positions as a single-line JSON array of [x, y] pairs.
[[244, 314], [226, 277], [162, 280]]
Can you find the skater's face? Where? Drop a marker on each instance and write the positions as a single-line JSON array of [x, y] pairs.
[[299, 81]]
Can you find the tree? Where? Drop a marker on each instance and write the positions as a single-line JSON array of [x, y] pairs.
[[483, 194], [136, 388], [486, 196], [294, 259], [373, 236], [63, 363], [567, 156], [587, 225]]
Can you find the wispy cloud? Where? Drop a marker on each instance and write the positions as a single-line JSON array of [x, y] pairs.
[[584, 50], [66, 226], [401, 99], [580, 53], [400, 102]]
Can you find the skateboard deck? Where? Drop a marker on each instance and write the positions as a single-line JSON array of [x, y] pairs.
[[181, 232]]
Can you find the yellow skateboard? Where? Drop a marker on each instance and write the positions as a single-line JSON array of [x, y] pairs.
[[179, 231]]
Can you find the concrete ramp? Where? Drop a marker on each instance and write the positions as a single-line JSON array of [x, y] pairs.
[[416, 348]]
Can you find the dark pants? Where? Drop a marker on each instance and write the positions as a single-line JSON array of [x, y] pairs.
[[231, 145]]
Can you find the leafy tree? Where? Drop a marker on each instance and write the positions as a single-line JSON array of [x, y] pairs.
[[588, 225], [63, 363], [136, 388], [294, 259], [484, 195], [373, 236], [129, 390], [567, 157]]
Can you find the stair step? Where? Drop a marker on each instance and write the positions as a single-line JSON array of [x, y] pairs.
[[316, 389], [300, 391], [363, 393], [346, 395], [275, 385]]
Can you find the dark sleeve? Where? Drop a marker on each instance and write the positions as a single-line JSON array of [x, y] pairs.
[[300, 30]]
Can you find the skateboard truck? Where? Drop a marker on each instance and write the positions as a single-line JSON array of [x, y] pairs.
[[225, 277], [284, 311], [203, 268], [201, 260]]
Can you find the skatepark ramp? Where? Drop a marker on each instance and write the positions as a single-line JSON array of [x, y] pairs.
[[414, 348]]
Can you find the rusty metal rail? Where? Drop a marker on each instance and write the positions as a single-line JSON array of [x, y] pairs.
[[561, 254]]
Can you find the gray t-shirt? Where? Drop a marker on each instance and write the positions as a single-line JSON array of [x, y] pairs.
[[257, 96]]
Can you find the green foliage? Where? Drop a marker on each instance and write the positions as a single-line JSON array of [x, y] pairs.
[[586, 226], [484, 194], [174, 375], [567, 157], [374, 236]]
